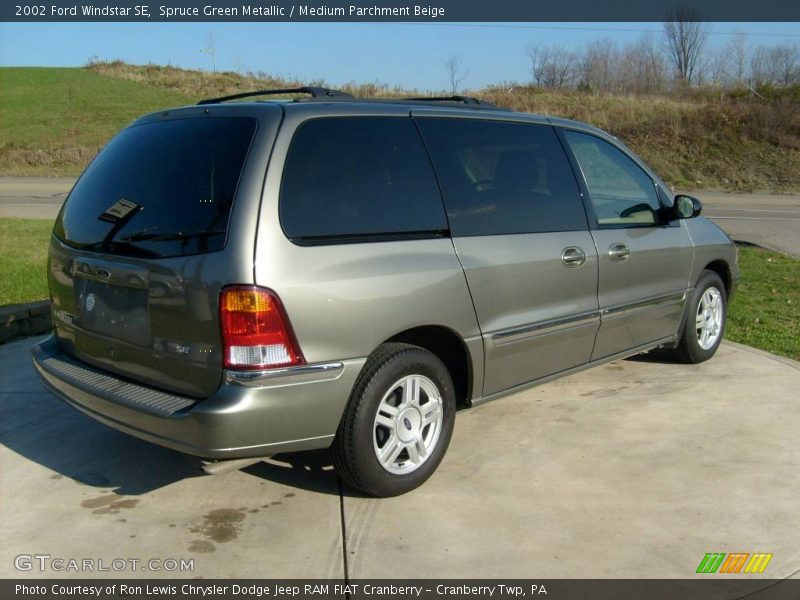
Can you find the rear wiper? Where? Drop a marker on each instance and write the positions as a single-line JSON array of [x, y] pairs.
[[166, 237]]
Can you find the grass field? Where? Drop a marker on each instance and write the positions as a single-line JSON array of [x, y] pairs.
[[23, 259], [764, 313], [53, 121]]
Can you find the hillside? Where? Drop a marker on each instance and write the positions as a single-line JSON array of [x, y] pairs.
[[52, 121]]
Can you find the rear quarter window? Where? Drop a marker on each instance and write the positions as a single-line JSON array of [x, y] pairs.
[[359, 179], [160, 189]]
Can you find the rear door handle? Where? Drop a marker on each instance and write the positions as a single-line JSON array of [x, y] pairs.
[[618, 252], [573, 256]]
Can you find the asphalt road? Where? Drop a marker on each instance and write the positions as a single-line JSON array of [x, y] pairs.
[[771, 221], [634, 469], [33, 197]]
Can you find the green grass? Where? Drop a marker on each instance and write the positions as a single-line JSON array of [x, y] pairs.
[[23, 260], [54, 120], [765, 311]]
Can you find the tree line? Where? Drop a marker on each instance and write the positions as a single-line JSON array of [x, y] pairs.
[[680, 57]]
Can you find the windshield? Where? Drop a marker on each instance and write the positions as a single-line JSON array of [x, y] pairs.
[[159, 189]]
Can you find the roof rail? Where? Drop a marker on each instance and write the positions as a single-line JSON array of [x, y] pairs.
[[315, 92], [462, 99]]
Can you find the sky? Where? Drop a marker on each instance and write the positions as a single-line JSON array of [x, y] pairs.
[[410, 55]]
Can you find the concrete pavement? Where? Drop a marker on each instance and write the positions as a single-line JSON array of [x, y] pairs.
[[633, 469], [72, 488], [771, 221]]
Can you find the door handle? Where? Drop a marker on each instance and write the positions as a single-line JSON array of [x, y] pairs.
[[618, 252], [573, 256]]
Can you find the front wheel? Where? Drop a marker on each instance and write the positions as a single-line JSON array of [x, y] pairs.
[[704, 321], [398, 423]]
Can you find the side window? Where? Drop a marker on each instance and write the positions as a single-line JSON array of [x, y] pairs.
[[351, 177], [502, 178], [622, 193]]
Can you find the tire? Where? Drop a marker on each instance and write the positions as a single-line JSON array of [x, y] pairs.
[[400, 388], [699, 343]]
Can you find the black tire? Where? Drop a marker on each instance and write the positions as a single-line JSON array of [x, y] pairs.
[[353, 451], [689, 349]]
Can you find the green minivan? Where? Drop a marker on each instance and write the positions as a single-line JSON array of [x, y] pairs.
[[242, 278]]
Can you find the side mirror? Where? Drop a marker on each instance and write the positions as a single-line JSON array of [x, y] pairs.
[[686, 207]]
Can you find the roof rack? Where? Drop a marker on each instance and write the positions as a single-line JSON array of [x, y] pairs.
[[315, 92], [462, 99]]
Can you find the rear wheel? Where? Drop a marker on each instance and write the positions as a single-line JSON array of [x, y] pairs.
[[704, 320], [398, 423]]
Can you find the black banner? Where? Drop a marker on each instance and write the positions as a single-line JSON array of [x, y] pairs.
[[398, 10], [714, 587]]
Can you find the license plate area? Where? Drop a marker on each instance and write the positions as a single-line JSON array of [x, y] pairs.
[[113, 309]]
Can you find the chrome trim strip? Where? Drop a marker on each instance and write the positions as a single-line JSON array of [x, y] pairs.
[[629, 307], [514, 334], [507, 336], [285, 375], [523, 386]]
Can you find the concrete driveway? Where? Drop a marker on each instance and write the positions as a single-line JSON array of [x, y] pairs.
[[771, 221], [634, 469]]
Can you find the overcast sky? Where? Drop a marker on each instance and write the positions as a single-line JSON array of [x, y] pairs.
[[410, 55]]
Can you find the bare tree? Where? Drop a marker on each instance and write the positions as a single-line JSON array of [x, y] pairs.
[[775, 65], [703, 70], [551, 66], [238, 64], [454, 64], [643, 67], [737, 51], [686, 37], [210, 49], [761, 71], [719, 67], [786, 62], [598, 64]]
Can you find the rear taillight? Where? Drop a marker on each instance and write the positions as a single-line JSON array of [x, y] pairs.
[[256, 333]]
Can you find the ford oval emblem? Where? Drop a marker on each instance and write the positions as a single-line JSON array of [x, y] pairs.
[[90, 301], [407, 423], [103, 273]]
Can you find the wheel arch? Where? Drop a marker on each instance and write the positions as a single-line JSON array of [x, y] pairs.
[[450, 348], [722, 268]]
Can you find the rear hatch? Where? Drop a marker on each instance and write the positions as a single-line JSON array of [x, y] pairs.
[[160, 221]]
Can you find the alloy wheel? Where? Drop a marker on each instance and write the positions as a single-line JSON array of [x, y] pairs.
[[708, 321], [407, 424]]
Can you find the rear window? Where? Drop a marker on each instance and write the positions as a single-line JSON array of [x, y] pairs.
[[503, 178], [160, 189], [359, 179]]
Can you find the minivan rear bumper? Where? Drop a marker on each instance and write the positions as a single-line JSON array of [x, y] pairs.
[[251, 415]]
